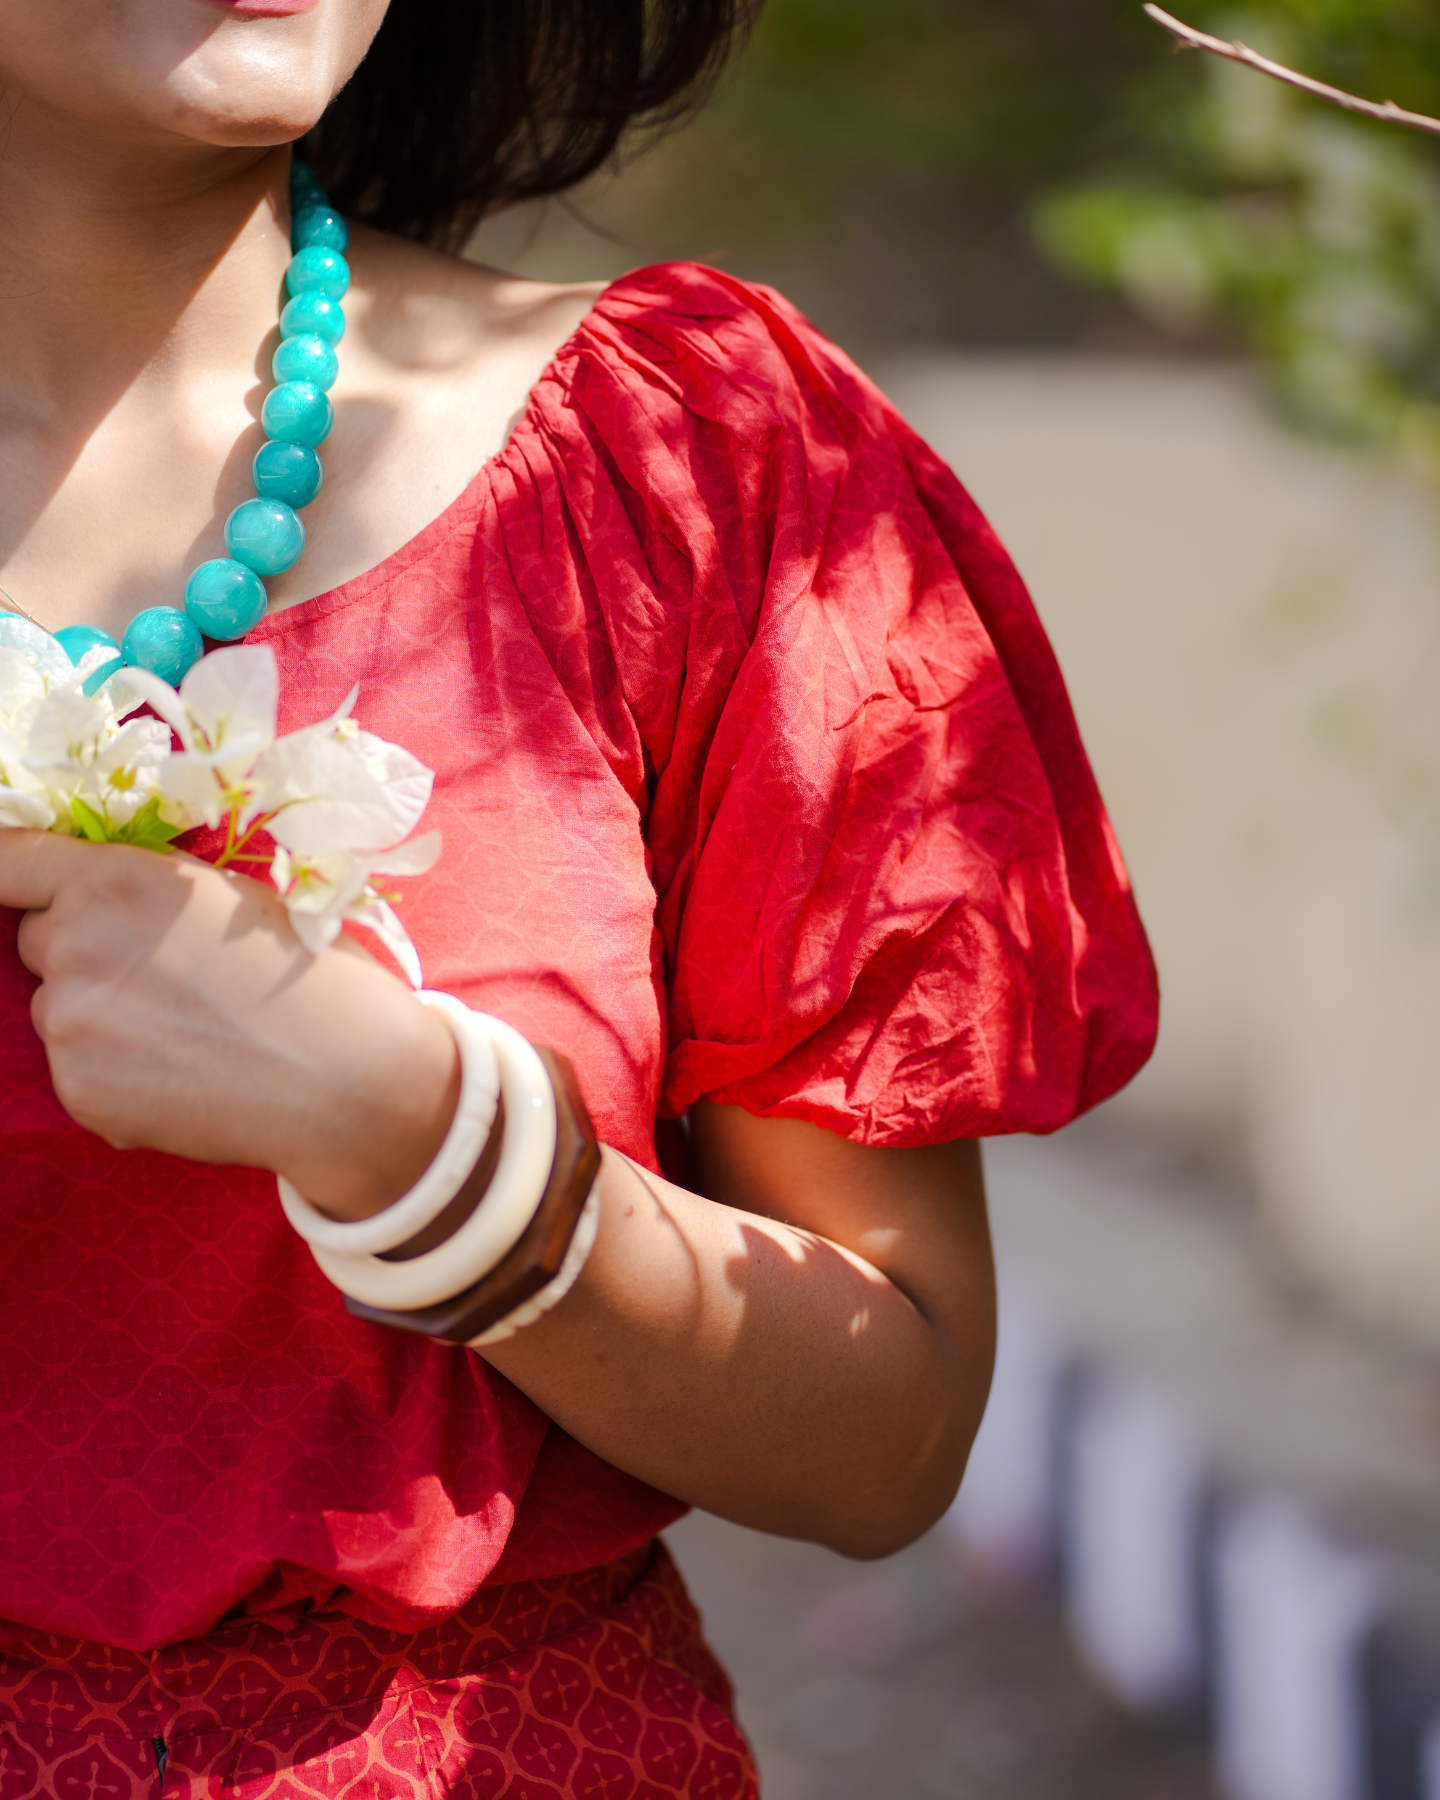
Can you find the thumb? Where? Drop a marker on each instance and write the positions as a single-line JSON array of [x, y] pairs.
[[34, 865]]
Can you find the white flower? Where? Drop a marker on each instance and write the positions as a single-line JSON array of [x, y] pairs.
[[224, 717], [31, 663], [41, 651], [67, 762], [23, 799], [78, 748], [328, 787], [322, 890], [337, 800], [335, 787]]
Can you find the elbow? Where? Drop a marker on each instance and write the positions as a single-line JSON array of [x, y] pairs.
[[900, 1504], [875, 1532], [910, 1486]]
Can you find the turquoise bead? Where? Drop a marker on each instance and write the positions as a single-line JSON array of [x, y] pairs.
[[306, 358], [318, 271], [224, 598], [75, 640], [164, 640], [318, 224], [305, 188], [93, 683], [314, 314], [289, 472], [265, 535], [297, 412]]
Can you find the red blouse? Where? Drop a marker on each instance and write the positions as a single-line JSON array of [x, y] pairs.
[[757, 779]]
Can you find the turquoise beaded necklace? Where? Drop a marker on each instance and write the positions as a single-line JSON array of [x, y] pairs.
[[226, 596]]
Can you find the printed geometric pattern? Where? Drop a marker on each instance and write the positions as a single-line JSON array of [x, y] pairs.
[[756, 778], [596, 1686]]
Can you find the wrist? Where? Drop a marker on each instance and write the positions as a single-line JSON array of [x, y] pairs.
[[368, 1142], [497, 1229]]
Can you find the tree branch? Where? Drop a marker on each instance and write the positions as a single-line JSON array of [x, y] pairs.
[[1386, 111]]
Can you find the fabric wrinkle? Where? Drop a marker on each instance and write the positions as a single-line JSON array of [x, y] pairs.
[[757, 781]]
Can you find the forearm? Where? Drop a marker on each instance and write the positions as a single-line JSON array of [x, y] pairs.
[[821, 1378], [757, 1370]]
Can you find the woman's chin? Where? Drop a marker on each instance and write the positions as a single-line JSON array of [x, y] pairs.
[[230, 118], [245, 133], [262, 72], [231, 73], [249, 87], [263, 9]]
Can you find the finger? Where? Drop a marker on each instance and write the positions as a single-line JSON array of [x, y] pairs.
[[33, 865], [31, 941]]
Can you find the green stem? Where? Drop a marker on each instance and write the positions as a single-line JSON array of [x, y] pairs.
[[234, 850]]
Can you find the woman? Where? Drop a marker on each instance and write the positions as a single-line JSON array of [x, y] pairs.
[[762, 803]]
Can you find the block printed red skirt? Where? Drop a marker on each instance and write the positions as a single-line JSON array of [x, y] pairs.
[[597, 1685]]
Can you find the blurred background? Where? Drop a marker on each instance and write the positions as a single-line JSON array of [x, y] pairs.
[[1178, 329]]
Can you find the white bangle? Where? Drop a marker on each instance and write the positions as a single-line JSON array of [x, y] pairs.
[[497, 1224], [457, 1156], [582, 1242]]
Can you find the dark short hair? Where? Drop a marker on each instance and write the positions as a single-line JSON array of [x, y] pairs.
[[465, 105]]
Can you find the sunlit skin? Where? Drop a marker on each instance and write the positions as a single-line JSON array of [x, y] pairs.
[[806, 1348]]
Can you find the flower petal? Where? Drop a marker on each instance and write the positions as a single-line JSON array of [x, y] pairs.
[[414, 858], [379, 917], [22, 686], [233, 694], [41, 650], [140, 743], [69, 730], [97, 657], [405, 779], [316, 931], [341, 794], [140, 688], [29, 810], [189, 781], [343, 710]]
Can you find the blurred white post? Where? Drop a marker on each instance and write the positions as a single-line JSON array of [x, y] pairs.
[[1291, 1610], [1132, 1537], [1430, 1762], [1005, 1515]]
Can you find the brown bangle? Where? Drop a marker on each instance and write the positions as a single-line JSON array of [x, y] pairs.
[[536, 1258], [467, 1198]]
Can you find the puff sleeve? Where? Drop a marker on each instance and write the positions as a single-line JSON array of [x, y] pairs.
[[888, 898]]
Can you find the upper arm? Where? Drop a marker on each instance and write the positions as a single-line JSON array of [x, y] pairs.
[[916, 1215]]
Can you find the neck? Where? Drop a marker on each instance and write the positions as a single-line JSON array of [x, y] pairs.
[[127, 269]]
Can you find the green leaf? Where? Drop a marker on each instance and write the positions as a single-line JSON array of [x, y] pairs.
[[90, 822], [146, 830], [157, 840]]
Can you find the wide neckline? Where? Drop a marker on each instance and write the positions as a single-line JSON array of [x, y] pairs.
[[415, 548]]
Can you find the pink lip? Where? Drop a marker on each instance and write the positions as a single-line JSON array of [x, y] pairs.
[[265, 9]]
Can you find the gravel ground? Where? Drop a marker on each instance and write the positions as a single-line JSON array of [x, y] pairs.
[[898, 1681]]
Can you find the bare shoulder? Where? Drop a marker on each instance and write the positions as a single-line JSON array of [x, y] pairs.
[[436, 371], [420, 308]]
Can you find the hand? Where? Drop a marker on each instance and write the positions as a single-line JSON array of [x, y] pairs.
[[180, 1012]]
